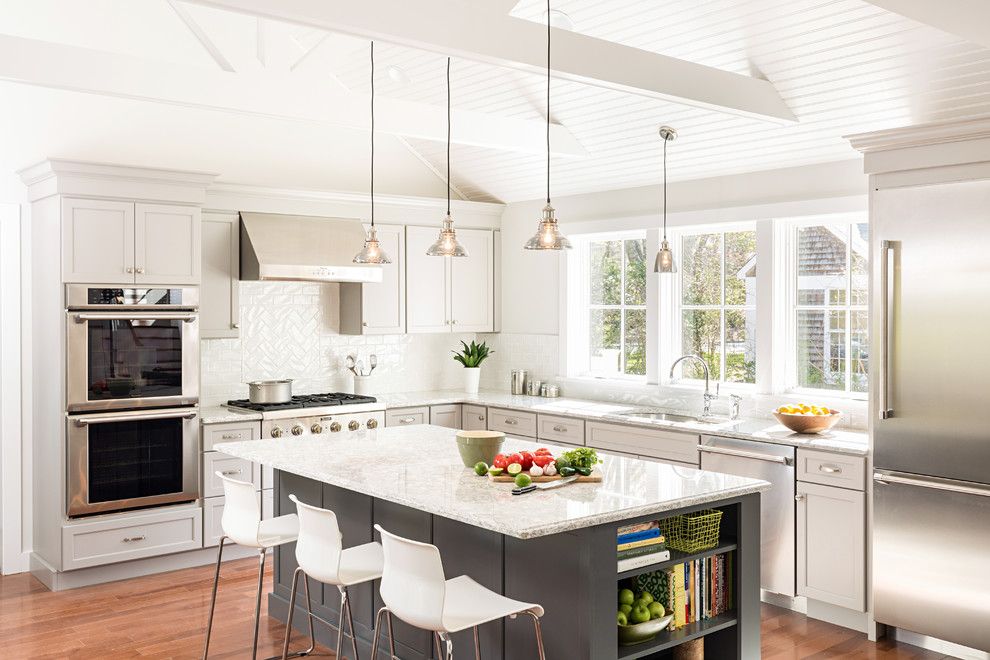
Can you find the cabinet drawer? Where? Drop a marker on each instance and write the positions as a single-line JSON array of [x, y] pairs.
[[235, 468], [830, 469], [407, 416], [560, 429], [654, 443], [229, 432], [474, 418], [511, 422], [131, 537]]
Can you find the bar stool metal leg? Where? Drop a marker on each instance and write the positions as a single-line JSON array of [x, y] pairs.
[[436, 642], [350, 622], [257, 603], [539, 635], [340, 625], [213, 599], [449, 646], [477, 645], [288, 623]]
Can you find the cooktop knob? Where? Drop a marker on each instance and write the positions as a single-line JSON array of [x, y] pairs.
[[316, 428], [297, 429], [372, 423], [335, 427], [354, 425], [276, 432]]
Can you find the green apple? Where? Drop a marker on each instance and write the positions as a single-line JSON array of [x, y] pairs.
[[625, 608], [626, 597], [639, 614], [656, 610], [645, 596], [639, 602], [620, 618]]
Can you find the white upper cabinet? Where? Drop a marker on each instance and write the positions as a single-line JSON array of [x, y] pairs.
[[472, 283], [97, 241], [450, 294], [427, 293], [378, 308], [113, 242], [219, 309], [167, 244]]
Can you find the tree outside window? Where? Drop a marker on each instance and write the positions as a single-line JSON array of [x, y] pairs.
[[617, 307]]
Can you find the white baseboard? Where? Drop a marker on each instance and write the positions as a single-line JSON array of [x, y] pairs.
[[939, 646], [85, 577]]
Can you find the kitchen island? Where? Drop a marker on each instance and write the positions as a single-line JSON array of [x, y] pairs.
[[556, 548]]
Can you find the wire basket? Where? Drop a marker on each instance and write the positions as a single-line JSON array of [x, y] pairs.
[[692, 532]]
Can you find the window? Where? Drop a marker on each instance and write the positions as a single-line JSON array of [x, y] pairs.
[[831, 276], [614, 306], [716, 311]]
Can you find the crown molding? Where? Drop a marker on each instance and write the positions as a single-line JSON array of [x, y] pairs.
[[921, 135]]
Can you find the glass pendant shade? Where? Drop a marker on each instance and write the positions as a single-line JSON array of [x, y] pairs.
[[665, 259], [446, 244], [548, 236], [372, 253]]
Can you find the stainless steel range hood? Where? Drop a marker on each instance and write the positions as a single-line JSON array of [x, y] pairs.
[[302, 248]]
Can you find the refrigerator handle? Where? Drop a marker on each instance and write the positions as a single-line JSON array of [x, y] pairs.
[[886, 305], [883, 478]]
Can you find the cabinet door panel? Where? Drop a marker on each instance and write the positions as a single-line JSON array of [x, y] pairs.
[[474, 418], [426, 283], [219, 310], [167, 244], [448, 415], [97, 241], [831, 547], [384, 303], [472, 286]]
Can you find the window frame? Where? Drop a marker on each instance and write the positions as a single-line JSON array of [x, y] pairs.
[[789, 280], [579, 326]]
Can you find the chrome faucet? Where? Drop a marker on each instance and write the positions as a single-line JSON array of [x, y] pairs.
[[709, 397]]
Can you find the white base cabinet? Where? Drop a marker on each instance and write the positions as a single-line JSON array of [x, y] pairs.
[[121, 538], [446, 415], [659, 444], [831, 545], [474, 418]]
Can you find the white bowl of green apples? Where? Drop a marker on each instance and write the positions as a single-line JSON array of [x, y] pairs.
[[640, 617]]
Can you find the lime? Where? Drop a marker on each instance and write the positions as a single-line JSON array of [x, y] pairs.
[[495, 471], [481, 468], [626, 597], [522, 479], [514, 468]]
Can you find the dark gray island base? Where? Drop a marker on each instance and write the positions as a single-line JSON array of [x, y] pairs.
[[571, 573]]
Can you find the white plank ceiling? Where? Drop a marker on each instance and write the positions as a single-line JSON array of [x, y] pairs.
[[842, 66]]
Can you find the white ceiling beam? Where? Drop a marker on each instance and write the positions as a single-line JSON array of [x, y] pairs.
[[969, 19], [200, 35], [265, 94], [476, 31]]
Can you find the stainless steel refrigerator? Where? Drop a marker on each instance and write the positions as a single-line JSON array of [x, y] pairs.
[[930, 343]]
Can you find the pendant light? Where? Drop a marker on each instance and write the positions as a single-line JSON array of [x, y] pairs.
[[447, 245], [665, 258], [548, 236], [372, 253]]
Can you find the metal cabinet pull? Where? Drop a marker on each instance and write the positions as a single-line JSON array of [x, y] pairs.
[[830, 469], [560, 429], [230, 436], [134, 316], [230, 473], [886, 307], [133, 539], [129, 269], [481, 418], [946, 485], [799, 497], [83, 420], [770, 458], [407, 420], [139, 270], [511, 421]]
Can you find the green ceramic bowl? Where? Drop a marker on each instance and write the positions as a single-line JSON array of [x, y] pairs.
[[476, 446], [638, 633]]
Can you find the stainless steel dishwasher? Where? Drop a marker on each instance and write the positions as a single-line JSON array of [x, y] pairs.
[[773, 463]]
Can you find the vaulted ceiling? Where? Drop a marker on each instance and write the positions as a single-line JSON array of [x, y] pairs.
[[179, 83]]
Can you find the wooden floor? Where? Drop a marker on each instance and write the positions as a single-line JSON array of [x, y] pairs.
[[163, 616]]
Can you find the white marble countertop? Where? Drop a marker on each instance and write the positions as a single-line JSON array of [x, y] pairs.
[[764, 430], [419, 467]]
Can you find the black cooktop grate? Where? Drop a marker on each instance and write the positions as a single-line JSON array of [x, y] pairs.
[[304, 401]]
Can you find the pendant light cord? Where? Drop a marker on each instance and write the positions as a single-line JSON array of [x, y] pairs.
[[665, 188], [548, 101], [372, 133], [448, 136]]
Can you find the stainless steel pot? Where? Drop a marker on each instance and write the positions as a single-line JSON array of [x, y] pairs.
[[270, 391]]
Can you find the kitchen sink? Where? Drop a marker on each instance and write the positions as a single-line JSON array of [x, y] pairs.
[[663, 416]]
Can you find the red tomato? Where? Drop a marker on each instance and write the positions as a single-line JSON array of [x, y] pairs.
[[542, 450], [527, 459], [513, 458], [543, 460], [500, 461]]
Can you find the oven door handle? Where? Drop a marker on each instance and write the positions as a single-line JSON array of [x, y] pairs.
[[83, 420], [131, 316]]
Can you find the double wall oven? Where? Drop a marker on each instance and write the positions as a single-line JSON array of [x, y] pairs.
[[132, 391]]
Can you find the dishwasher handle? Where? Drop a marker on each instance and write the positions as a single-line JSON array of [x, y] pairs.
[[741, 453]]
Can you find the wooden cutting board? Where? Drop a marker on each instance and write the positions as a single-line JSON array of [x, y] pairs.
[[594, 478]]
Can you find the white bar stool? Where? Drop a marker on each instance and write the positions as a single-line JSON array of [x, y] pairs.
[[243, 525], [321, 556], [413, 588]]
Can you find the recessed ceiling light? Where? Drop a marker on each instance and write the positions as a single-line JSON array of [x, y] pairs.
[[559, 19], [397, 75]]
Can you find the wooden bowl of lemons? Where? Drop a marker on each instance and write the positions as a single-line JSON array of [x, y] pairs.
[[802, 418]]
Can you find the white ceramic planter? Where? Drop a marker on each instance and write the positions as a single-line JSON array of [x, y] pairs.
[[472, 376]]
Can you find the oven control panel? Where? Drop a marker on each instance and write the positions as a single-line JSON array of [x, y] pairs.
[[328, 426]]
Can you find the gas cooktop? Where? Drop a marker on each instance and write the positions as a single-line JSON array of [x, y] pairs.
[[304, 401]]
